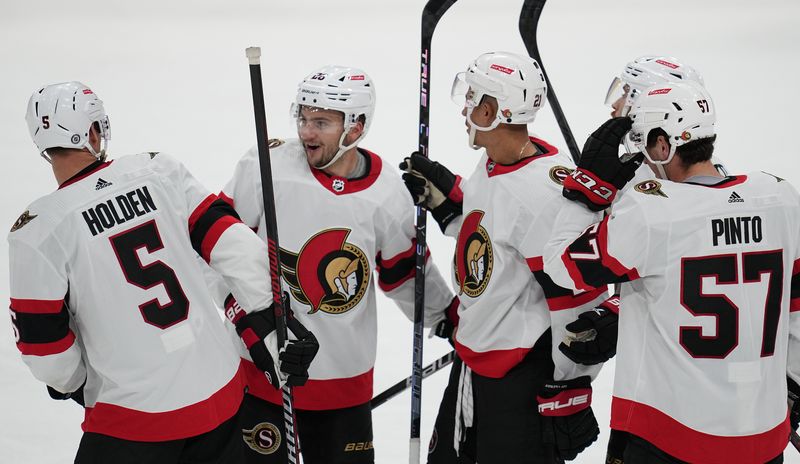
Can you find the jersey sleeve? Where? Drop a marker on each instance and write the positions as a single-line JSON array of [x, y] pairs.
[[396, 263], [614, 249], [224, 242], [42, 322], [243, 192], [793, 364], [564, 304]]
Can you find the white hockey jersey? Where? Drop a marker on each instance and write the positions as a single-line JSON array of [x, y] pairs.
[[336, 235], [106, 289], [711, 317], [507, 302]]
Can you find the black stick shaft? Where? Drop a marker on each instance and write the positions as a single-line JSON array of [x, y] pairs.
[[528, 27], [402, 385], [254, 57]]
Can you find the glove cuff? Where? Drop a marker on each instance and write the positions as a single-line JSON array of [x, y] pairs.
[[564, 398], [611, 304], [584, 183]]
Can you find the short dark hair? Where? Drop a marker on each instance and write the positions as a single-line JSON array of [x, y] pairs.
[[696, 151]]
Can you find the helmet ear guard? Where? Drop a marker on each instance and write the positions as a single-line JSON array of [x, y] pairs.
[[62, 116]]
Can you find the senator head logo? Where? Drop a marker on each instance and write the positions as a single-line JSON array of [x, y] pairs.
[[328, 274], [474, 257]]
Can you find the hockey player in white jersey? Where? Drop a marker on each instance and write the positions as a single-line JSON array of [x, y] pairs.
[[708, 325], [346, 224], [509, 307], [108, 300], [593, 336]]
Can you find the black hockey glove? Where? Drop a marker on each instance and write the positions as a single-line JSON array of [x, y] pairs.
[[794, 403], [76, 396], [592, 338], [568, 422], [447, 326], [257, 331], [601, 172], [433, 186]]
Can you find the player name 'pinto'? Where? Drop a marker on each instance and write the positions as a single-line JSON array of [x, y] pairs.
[[118, 210], [736, 230]]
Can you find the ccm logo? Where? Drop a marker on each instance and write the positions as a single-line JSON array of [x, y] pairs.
[[659, 91], [556, 405], [591, 185], [502, 69], [667, 64]]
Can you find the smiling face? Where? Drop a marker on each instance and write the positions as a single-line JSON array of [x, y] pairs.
[[320, 131]]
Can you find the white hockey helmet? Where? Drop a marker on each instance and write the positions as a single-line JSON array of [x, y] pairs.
[[61, 115], [516, 81], [684, 110], [646, 71], [340, 88]]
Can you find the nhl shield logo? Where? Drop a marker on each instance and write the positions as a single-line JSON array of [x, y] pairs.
[[559, 173], [474, 256], [337, 185], [329, 274], [23, 220], [650, 187], [264, 438]]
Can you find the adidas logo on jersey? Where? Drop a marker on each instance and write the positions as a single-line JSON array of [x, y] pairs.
[[101, 184], [735, 198]]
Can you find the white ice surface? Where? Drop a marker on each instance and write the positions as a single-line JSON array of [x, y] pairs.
[[174, 78]]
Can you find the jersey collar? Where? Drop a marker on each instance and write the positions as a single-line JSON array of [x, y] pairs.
[[724, 182], [342, 186], [544, 148], [85, 172]]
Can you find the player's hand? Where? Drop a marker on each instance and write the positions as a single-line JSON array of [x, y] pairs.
[[257, 331], [617, 442], [447, 326], [601, 172], [296, 357], [794, 403], [568, 422], [592, 338], [76, 396], [433, 186]]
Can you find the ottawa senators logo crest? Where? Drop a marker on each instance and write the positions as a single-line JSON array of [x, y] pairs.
[[264, 438], [23, 220], [474, 257], [559, 173], [329, 274], [650, 187]]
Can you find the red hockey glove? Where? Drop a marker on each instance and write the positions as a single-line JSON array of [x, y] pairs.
[[433, 186], [568, 422], [592, 338], [601, 172]]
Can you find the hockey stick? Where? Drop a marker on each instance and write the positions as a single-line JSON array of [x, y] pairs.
[[402, 385], [268, 196], [431, 14], [794, 439], [528, 26]]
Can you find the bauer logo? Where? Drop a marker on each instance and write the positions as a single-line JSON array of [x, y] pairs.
[[87, 92], [667, 64], [360, 77], [502, 69], [659, 92], [264, 438]]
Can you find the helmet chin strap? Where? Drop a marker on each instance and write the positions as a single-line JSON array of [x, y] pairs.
[[474, 128], [342, 150]]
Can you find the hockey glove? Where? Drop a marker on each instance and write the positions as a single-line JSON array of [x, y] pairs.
[[592, 338], [76, 396], [433, 186], [568, 422], [601, 172], [297, 356], [447, 326], [794, 403]]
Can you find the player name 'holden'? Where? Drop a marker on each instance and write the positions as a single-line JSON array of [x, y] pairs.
[[118, 210], [736, 230]]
